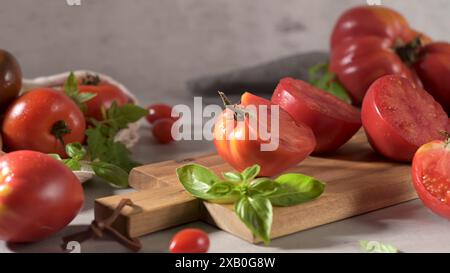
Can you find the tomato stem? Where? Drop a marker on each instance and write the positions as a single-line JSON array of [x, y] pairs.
[[239, 114], [409, 53], [59, 129], [90, 79]]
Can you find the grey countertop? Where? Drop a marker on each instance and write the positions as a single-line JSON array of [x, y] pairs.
[[408, 226]]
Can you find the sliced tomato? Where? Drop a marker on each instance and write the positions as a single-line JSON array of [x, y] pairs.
[[295, 141], [431, 176], [398, 118], [332, 120]]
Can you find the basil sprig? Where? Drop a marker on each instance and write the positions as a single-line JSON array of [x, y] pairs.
[[253, 197]]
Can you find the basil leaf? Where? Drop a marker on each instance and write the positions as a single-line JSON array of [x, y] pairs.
[[377, 247], [256, 213], [121, 116], [232, 176], [75, 150], [197, 180], [84, 97], [71, 85], [223, 192], [263, 186], [321, 77], [72, 163], [251, 172], [56, 156], [295, 189], [110, 173]]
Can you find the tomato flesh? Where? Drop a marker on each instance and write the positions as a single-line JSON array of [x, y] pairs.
[[431, 176]]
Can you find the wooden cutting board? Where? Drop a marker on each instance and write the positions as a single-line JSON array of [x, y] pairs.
[[357, 181]]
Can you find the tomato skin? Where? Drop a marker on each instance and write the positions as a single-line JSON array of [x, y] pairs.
[[296, 142], [363, 48], [162, 130], [190, 240], [315, 108], [433, 69], [383, 136], [38, 196], [434, 156], [158, 111], [106, 94], [29, 120]]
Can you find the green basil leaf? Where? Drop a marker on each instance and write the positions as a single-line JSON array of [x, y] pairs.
[[377, 247], [256, 213], [73, 164], [321, 77], [121, 116], [295, 189], [110, 173], [264, 186], [339, 91], [223, 192], [251, 172], [56, 156], [71, 85], [232, 176], [84, 97], [197, 180], [75, 150]]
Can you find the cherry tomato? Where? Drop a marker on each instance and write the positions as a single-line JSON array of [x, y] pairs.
[[370, 41], [162, 130], [332, 120], [41, 120], [158, 111], [38, 196], [105, 92], [10, 79], [431, 176], [190, 240], [294, 142], [399, 118]]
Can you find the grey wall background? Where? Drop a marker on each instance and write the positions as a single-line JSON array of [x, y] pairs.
[[154, 46]]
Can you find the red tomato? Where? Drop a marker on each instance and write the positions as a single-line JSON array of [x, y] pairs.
[[38, 196], [431, 176], [237, 147], [190, 240], [399, 118], [162, 130], [369, 42], [34, 121], [332, 120], [158, 111], [106, 94]]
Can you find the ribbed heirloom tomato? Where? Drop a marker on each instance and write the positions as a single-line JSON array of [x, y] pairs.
[[38, 196], [236, 146], [431, 176], [368, 42], [42, 120]]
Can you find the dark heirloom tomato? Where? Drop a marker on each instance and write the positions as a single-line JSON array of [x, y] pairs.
[[38, 196], [369, 42], [105, 95], [295, 140], [398, 118], [39, 119], [332, 120], [10, 79]]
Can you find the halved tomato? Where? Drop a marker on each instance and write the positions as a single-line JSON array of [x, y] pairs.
[[240, 142]]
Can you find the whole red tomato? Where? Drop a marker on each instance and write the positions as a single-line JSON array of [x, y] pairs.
[[369, 42], [431, 176], [162, 130], [332, 120], [105, 92], [158, 111], [239, 142], [190, 240], [41, 120], [38, 196], [398, 118]]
